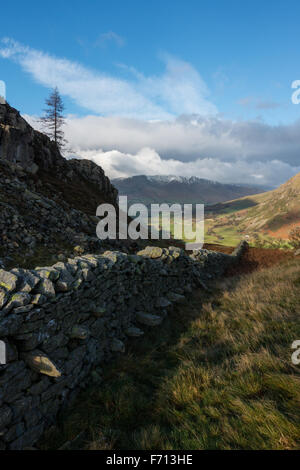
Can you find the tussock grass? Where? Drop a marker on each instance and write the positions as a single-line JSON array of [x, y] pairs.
[[217, 375]]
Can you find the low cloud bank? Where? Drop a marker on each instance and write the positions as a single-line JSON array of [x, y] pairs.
[[213, 148]]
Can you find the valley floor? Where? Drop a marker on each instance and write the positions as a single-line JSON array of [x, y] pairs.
[[217, 375]]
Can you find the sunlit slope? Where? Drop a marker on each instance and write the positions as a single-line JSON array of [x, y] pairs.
[[274, 212]]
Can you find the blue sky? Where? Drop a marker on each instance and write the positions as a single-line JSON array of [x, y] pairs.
[[157, 60]]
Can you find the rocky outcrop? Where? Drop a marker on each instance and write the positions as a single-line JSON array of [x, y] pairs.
[[47, 203], [22, 145], [56, 338], [93, 173], [33, 151]]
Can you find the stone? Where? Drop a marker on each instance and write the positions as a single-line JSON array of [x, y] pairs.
[[188, 288], [40, 386], [28, 279], [79, 332], [153, 252], [14, 432], [8, 280], [52, 345], [87, 275], [39, 299], [162, 302], [30, 436], [46, 288], [10, 325], [99, 311], [30, 195], [117, 346], [18, 299], [3, 298], [47, 273], [39, 362], [173, 297], [5, 416], [134, 332], [32, 169], [66, 280], [148, 319], [24, 309], [78, 250], [77, 283]]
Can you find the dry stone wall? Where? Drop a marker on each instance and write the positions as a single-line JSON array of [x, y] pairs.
[[60, 323]]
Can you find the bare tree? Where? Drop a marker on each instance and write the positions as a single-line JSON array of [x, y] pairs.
[[54, 120]]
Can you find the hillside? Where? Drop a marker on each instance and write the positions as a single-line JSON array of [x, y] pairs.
[[273, 213], [165, 353], [217, 376], [47, 203], [172, 189]]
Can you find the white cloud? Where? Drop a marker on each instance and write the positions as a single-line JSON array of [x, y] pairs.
[[162, 124], [179, 89], [189, 137], [214, 148], [148, 161]]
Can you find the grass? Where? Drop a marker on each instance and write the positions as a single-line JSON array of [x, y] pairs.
[[216, 375], [223, 235], [42, 255]]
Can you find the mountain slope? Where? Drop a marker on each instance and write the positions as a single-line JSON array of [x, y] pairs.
[[171, 189], [272, 213], [47, 203]]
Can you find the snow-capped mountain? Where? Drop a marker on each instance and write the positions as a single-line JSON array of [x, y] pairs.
[[180, 189], [178, 179]]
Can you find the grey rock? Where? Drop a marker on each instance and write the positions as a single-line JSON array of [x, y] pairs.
[[8, 280], [39, 299], [117, 346], [148, 319], [162, 302], [79, 332], [5, 416], [134, 332], [18, 299], [30, 436], [47, 273], [4, 296], [10, 325], [46, 288], [173, 297]]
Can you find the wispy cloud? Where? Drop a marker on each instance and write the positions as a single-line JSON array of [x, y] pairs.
[[246, 101], [267, 105], [110, 36], [258, 103], [179, 90]]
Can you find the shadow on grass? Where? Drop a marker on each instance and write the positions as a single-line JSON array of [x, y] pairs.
[[231, 206], [217, 374], [124, 401]]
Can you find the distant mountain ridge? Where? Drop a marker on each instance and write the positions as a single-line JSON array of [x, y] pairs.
[[150, 189]]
